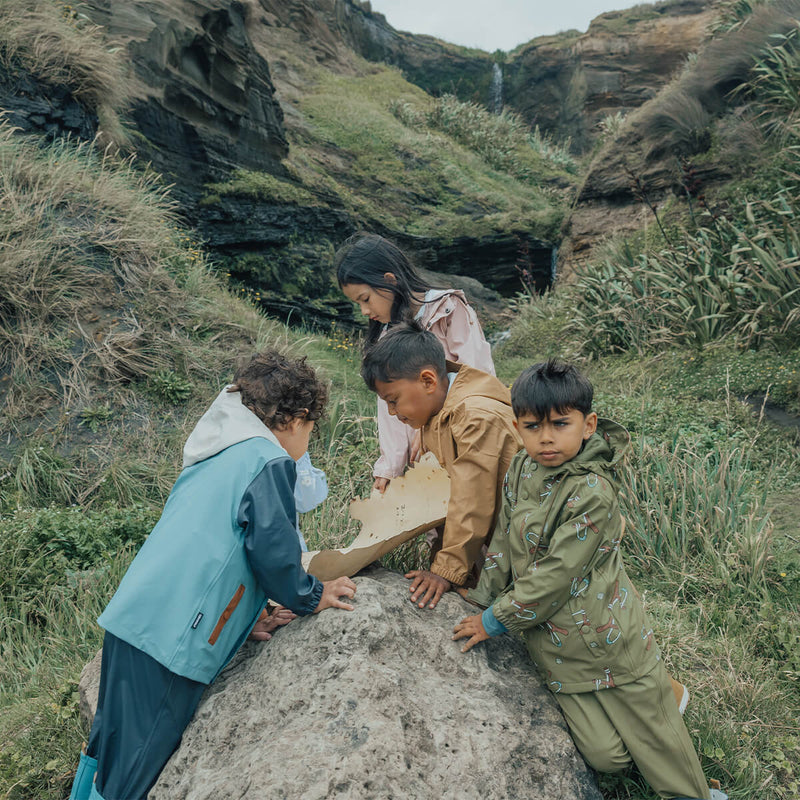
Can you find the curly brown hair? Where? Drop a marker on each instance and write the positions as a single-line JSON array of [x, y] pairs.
[[277, 389]]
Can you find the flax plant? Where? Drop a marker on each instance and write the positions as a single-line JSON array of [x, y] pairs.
[[728, 278]]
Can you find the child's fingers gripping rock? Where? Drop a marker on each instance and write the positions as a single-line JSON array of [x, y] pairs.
[[428, 586], [333, 590], [470, 628], [267, 622]]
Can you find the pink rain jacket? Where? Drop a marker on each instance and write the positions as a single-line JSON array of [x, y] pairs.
[[454, 323]]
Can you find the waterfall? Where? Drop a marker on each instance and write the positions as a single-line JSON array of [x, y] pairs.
[[496, 90], [553, 261]]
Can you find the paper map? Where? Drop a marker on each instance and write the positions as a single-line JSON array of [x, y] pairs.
[[411, 505]]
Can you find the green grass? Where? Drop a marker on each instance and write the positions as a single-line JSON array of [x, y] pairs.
[[112, 327], [439, 187], [258, 186], [720, 579]]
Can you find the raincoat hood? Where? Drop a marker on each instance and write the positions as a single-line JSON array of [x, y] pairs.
[[439, 304], [227, 422], [601, 454], [471, 383]]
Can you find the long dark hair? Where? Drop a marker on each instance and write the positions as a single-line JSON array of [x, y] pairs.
[[366, 258]]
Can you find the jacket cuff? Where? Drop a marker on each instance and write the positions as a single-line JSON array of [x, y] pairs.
[[315, 597], [491, 624], [456, 578], [386, 472], [507, 615]]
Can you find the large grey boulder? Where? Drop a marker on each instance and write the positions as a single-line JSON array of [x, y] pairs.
[[377, 703]]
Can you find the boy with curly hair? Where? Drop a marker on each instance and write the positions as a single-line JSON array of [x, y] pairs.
[[226, 541], [555, 576]]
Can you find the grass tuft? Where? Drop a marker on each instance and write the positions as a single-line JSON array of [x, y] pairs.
[[60, 45]]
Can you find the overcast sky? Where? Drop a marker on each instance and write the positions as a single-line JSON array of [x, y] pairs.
[[493, 24]]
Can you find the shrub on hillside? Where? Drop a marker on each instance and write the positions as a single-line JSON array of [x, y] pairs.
[[44, 548], [700, 512], [728, 278], [502, 140]]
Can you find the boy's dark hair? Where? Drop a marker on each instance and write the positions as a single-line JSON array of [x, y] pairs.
[[366, 258], [402, 353], [549, 386], [277, 389]]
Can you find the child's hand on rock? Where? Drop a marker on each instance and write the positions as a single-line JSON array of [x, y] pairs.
[[332, 591], [470, 628], [262, 630], [427, 585]]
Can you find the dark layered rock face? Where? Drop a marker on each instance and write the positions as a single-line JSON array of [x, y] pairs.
[[286, 253], [33, 106], [204, 99], [499, 261]]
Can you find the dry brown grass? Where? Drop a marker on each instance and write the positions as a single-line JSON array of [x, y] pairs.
[[100, 292], [58, 44]]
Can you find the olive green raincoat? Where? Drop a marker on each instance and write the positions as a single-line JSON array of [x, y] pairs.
[[554, 572]]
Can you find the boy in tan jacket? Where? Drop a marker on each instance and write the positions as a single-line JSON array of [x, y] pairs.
[[466, 421]]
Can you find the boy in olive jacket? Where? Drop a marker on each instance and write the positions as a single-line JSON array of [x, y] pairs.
[[554, 574]]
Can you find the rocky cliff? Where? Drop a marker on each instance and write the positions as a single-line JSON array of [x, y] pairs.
[[565, 83], [278, 138], [203, 101], [227, 95], [375, 703], [568, 83]]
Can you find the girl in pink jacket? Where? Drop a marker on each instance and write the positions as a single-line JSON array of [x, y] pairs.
[[378, 276]]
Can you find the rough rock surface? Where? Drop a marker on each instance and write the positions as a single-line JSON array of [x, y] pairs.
[[375, 703], [204, 99], [33, 106]]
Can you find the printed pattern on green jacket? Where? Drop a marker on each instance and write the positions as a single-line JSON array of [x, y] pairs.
[[554, 573]]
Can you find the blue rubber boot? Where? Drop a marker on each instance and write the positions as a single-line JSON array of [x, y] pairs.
[[84, 778]]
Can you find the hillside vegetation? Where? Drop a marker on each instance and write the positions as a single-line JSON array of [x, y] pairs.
[[116, 333], [349, 147]]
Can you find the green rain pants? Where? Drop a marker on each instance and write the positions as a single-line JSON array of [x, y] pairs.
[[638, 722]]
